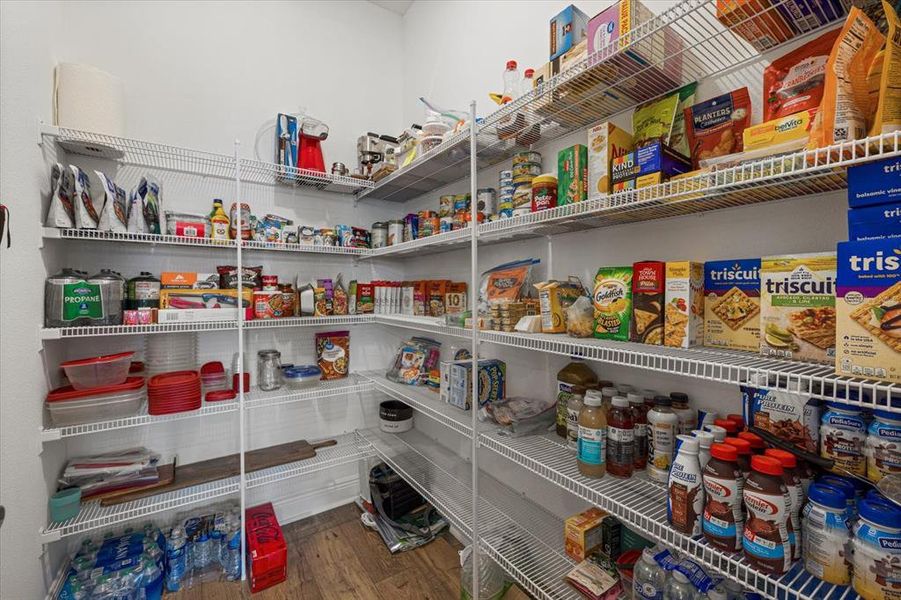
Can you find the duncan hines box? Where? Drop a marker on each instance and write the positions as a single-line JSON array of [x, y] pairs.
[[732, 304], [648, 291], [868, 309], [797, 307]]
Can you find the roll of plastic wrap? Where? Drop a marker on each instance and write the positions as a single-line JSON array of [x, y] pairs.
[[87, 98]]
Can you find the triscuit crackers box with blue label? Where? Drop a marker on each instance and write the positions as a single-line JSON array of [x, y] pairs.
[[732, 304], [868, 307], [874, 222], [877, 182]]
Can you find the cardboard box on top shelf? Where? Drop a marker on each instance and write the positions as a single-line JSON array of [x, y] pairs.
[[874, 222], [568, 28], [756, 21], [606, 142], [874, 183], [649, 165]]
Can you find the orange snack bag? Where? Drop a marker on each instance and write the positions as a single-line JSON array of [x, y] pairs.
[[794, 82]]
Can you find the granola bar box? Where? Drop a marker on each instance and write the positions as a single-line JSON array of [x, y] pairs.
[[732, 304], [868, 309], [797, 307]]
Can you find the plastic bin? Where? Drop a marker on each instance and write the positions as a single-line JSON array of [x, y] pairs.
[[98, 371], [301, 377], [69, 406]]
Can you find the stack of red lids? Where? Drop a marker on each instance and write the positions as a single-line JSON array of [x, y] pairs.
[[178, 391]]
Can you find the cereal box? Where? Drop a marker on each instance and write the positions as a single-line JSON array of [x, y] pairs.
[[868, 309], [647, 302], [605, 142], [612, 298], [572, 175], [797, 307], [732, 304], [684, 308]]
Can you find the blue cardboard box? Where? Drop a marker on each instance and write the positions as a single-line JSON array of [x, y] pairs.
[[568, 28], [877, 182], [874, 222], [651, 164]]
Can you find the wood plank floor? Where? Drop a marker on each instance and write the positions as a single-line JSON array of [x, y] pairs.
[[332, 556]]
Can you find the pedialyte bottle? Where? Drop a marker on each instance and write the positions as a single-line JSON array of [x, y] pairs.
[[825, 545], [685, 490], [723, 519], [766, 544], [883, 446], [877, 551]]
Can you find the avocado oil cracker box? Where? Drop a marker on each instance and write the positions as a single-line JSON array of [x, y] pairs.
[[868, 309], [612, 300], [684, 308], [797, 307], [732, 304]]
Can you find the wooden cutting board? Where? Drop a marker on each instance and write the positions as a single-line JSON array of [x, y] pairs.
[[223, 467]]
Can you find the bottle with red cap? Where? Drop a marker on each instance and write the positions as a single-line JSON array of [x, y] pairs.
[[511, 82], [757, 443], [723, 518], [739, 420], [527, 82], [766, 542], [795, 494], [729, 425], [744, 454]]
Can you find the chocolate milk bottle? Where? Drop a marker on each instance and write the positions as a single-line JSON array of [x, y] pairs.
[[795, 493], [765, 541], [723, 520], [684, 489]]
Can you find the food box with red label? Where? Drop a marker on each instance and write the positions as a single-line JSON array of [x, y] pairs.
[[267, 551], [648, 293]]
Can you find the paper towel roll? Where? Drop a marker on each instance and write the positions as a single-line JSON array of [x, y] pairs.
[[87, 98]]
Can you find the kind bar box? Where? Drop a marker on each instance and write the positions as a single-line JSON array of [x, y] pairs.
[[732, 304], [267, 552], [648, 292], [605, 142], [797, 307], [612, 299], [568, 28], [684, 308], [592, 531], [868, 307], [877, 182], [572, 175], [651, 164], [874, 222]]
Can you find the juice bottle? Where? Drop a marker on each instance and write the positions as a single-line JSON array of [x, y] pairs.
[[574, 378], [219, 221], [640, 416], [607, 394], [592, 436], [620, 438], [573, 408]]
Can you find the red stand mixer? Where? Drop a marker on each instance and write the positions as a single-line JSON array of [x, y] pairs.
[[309, 152]]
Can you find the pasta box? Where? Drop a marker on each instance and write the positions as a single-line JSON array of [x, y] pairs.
[[267, 551], [568, 28], [877, 182], [868, 309], [649, 165], [732, 304], [874, 222]]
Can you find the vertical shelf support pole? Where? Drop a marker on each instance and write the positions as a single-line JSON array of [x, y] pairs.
[[474, 304], [242, 483]]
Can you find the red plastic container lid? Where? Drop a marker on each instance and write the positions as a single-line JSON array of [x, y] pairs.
[[96, 360], [212, 368], [221, 395], [175, 378], [70, 393], [137, 366]]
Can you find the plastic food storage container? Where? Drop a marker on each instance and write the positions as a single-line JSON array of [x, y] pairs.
[[301, 377], [69, 406], [65, 504], [99, 371]]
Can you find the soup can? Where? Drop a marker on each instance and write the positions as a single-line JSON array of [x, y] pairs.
[[461, 202], [487, 201]]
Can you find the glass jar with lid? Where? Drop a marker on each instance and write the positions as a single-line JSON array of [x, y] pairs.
[[269, 370]]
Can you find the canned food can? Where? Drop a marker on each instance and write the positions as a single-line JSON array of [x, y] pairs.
[[487, 201], [529, 168], [270, 282], [507, 174], [461, 202], [446, 224], [429, 226], [527, 156], [445, 206], [395, 232]]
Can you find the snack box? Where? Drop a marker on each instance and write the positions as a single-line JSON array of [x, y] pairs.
[[874, 222], [575, 55], [554, 298], [785, 134], [868, 309], [806, 15], [572, 175], [267, 551], [204, 298], [797, 306], [732, 304], [606, 141], [684, 304], [877, 182], [568, 28], [612, 300], [184, 280], [659, 55], [456, 382], [754, 20], [648, 291], [593, 530], [790, 415], [648, 165], [192, 315], [543, 74], [455, 298]]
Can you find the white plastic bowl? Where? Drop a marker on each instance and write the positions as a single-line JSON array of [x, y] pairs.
[[99, 371]]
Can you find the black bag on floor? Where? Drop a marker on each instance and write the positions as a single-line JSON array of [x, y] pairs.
[[395, 499]]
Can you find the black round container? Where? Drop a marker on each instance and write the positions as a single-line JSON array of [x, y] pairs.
[[395, 416]]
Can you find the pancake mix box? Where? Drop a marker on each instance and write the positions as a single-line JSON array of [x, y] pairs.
[[868, 309]]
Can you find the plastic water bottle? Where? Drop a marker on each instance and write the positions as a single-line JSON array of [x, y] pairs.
[[679, 588], [491, 577], [525, 86], [202, 551], [511, 82], [151, 581], [176, 556], [232, 562], [648, 577], [217, 543]]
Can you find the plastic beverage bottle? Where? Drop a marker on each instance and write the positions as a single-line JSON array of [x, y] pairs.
[[795, 494], [591, 455], [766, 543], [232, 562], [176, 557], [744, 454], [511, 82], [574, 378], [527, 82], [705, 440], [662, 427], [573, 408], [219, 221], [723, 520], [202, 551], [607, 394], [685, 490], [620, 438], [649, 578], [688, 420], [151, 582], [678, 587], [640, 431]]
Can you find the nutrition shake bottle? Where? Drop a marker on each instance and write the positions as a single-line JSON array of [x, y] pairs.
[[765, 541], [663, 426], [723, 520]]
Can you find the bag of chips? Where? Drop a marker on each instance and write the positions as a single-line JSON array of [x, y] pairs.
[[86, 216], [794, 82], [61, 213], [883, 78]]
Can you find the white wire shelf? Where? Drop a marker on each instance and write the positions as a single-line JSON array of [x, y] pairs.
[[56, 333], [442, 242], [93, 516], [423, 400], [304, 248], [710, 364], [523, 538], [253, 400], [641, 504], [255, 171]]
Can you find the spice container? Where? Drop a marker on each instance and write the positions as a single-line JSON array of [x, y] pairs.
[[591, 456], [269, 370], [544, 192]]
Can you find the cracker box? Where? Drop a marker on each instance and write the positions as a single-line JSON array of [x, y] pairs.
[[732, 304], [612, 299], [267, 551], [572, 175], [874, 222], [568, 28], [554, 298], [797, 307], [648, 291], [574, 56], [868, 309], [684, 308], [606, 141], [877, 182], [593, 530]]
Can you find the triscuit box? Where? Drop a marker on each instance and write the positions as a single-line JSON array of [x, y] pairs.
[[876, 182], [874, 222], [606, 141], [732, 304], [572, 175], [797, 307], [684, 308], [593, 530], [868, 309]]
